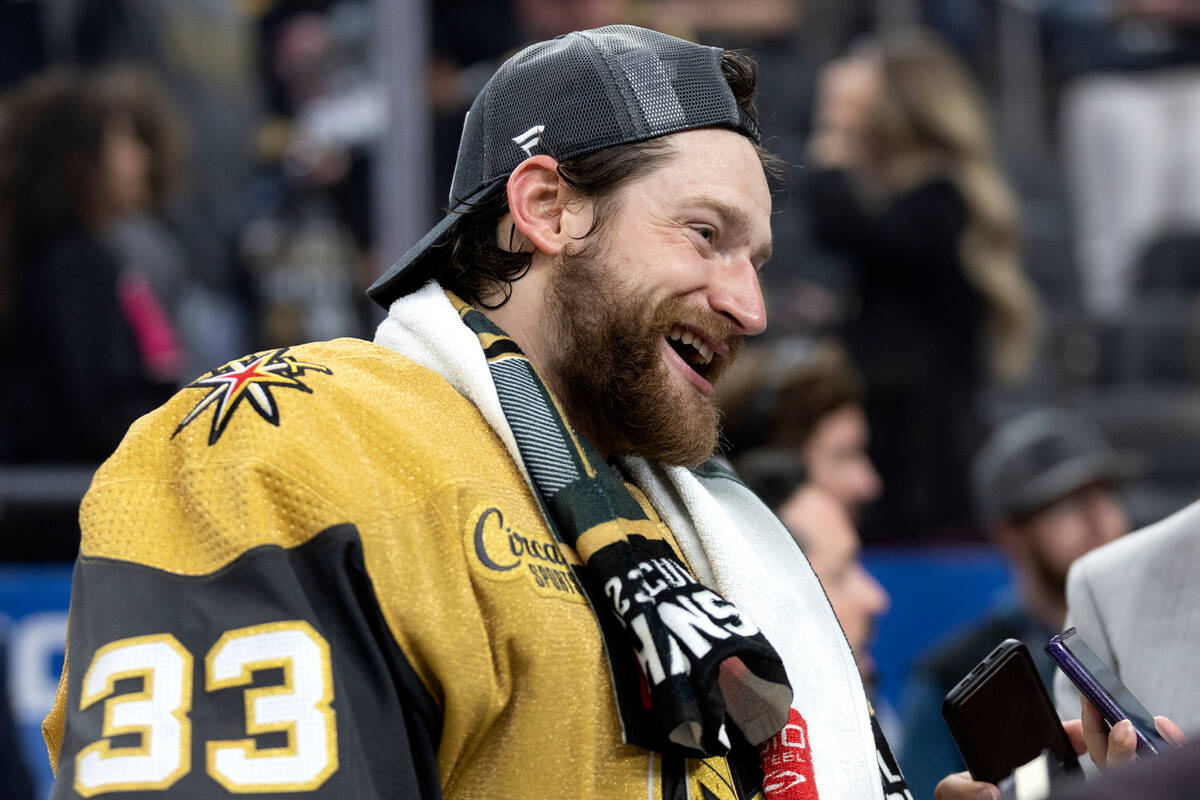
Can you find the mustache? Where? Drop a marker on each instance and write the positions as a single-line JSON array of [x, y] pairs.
[[712, 326]]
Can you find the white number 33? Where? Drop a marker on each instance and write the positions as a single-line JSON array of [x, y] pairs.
[[158, 714]]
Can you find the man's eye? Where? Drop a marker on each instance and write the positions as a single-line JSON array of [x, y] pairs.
[[707, 234]]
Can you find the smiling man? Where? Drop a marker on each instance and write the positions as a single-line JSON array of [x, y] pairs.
[[485, 555], [631, 325]]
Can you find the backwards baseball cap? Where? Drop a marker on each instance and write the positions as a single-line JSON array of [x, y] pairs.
[[1039, 457], [567, 97]]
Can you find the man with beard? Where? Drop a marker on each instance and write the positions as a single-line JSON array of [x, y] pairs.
[[485, 555], [1043, 485]]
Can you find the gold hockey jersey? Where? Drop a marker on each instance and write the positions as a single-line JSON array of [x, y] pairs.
[[317, 572]]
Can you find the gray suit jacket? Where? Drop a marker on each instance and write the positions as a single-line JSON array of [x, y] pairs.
[[1136, 602]]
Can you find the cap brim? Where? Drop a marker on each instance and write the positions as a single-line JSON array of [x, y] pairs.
[[418, 265], [1071, 475]]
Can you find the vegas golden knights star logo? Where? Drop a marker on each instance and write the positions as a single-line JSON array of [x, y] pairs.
[[249, 379]]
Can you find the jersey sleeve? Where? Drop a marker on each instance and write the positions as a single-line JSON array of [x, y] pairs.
[[225, 636], [244, 615], [274, 674]]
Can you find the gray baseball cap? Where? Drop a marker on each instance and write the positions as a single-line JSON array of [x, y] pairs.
[[570, 96], [1039, 457]]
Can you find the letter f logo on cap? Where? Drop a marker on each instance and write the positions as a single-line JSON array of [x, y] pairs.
[[529, 139]]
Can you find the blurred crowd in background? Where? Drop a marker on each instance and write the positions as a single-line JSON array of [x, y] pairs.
[[991, 208]]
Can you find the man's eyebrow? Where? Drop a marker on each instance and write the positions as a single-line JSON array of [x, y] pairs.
[[736, 218]]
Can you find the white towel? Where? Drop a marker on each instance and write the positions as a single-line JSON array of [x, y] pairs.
[[425, 327], [755, 564]]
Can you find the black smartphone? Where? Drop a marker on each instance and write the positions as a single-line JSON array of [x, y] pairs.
[[1100, 685], [1001, 716]]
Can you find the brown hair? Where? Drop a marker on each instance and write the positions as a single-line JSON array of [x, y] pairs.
[[930, 113], [52, 132], [476, 267], [775, 396], [134, 93]]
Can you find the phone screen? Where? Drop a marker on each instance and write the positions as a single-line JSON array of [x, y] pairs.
[[1001, 716]]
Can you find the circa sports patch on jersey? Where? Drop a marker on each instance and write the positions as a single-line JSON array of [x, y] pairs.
[[249, 379], [501, 549]]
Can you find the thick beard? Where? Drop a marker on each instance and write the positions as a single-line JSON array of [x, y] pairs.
[[608, 370]]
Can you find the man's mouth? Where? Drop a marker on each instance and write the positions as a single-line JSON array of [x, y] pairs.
[[690, 346], [699, 357]]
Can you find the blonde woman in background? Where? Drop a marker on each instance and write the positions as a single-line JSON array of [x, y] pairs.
[[902, 181]]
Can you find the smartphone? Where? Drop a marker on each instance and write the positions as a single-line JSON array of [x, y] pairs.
[[1001, 716], [1098, 684]]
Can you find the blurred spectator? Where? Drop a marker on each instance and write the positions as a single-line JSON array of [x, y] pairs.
[[904, 183], [1136, 603], [86, 344], [1130, 132], [803, 288], [307, 239], [141, 240], [469, 39], [1043, 485], [203, 54], [318, 67], [804, 400]]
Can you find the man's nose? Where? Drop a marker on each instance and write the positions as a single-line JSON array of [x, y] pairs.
[[736, 294]]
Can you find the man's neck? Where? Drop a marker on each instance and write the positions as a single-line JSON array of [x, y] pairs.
[[522, 313]]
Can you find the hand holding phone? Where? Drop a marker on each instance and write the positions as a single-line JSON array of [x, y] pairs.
[[1001, 716], [1101, 686]]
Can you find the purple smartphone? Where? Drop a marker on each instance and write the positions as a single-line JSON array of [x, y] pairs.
[[1098, 683]]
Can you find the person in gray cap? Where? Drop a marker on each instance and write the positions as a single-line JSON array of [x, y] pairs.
[[1043, 485], [485, 555]]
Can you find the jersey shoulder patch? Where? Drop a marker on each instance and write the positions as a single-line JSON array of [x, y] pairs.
[[249, 382]]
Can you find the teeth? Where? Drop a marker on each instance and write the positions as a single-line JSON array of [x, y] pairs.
[[687, 337]]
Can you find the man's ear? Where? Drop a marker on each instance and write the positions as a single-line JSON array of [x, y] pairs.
[[538, 205]]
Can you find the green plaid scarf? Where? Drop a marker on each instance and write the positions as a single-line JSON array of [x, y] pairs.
[[683, 660]]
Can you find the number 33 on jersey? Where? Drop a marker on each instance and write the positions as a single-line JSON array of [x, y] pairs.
[[272, 676], [155, 718]]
